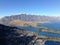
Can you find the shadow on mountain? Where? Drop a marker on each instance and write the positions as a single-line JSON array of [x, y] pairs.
[[10, 36]]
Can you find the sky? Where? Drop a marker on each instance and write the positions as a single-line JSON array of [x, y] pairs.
[[37, 7]]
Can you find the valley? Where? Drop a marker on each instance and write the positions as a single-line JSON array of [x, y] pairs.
[[29, 26]]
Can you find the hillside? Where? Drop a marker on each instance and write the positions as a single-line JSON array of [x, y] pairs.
[[17, 36], [14, 36], [29, 18], [22, 23]]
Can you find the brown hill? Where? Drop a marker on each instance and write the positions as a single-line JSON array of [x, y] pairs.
[[22, 23]]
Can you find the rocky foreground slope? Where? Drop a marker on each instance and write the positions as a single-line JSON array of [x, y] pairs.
[[14, 36], [17, 36]]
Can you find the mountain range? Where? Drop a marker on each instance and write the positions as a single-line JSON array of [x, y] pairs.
[[29, 18]]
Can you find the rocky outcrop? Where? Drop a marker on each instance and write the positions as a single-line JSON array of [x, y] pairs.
[[14, 36]]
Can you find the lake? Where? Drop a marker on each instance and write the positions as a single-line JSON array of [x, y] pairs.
[[52, 43], [45, 34], [33, 29], [54, 26]]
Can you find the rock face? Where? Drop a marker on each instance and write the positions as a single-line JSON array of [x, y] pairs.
[[29, 18], [39, 42], [14, 36]]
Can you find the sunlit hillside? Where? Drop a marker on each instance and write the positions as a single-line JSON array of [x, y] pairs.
[[22, 23]]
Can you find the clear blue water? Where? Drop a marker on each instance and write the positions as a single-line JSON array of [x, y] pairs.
[[41, 33], [52, 43], [55, 26]]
